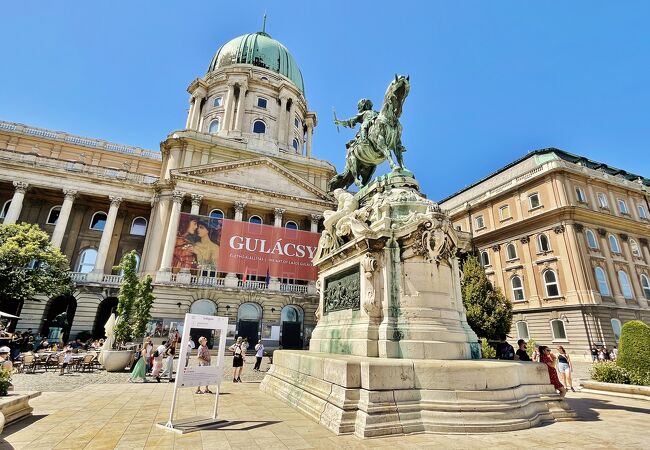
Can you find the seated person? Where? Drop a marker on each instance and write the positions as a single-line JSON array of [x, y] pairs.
[[5, 362]]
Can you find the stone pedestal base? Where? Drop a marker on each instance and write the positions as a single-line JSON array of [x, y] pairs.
[[15, 406], [379, 396]]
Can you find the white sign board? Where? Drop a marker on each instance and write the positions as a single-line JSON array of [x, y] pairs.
[[191, 374]]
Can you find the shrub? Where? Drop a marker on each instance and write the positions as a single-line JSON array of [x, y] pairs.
[[5, 381], [530, 347], [487, 351], [609, 372], [634, 348]]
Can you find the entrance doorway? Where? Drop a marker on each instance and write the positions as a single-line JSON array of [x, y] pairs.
[[204, 307], [107, 307], [58, 318], [292, 320], [249, 316]]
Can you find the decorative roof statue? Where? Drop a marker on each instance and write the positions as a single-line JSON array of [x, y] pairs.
[[379, 134]]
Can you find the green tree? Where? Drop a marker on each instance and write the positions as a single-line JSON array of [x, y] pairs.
[[634, 348], [489, 312], [30, 265], [126, 298], [142, 307]]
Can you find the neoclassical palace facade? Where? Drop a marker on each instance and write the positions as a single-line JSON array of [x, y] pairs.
[[245, 154], [566, 239]]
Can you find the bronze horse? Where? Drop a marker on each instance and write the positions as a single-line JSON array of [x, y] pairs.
[[384, 136]]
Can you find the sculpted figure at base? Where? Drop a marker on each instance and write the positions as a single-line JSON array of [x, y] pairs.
[[380, 134]]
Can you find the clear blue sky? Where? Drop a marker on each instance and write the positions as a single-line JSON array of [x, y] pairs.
[[490, 80]]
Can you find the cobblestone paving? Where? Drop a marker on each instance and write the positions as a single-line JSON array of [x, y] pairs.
[[50, 381]]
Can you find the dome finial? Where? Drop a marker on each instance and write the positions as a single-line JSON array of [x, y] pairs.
[[264, 23]]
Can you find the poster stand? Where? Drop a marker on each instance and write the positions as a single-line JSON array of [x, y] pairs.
[[193, 376]]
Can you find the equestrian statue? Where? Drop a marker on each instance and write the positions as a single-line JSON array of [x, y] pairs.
[[379, 134]]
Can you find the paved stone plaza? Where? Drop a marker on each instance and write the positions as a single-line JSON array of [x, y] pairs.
[[122, 415]]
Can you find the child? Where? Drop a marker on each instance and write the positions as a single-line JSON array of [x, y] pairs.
[[67, 359]]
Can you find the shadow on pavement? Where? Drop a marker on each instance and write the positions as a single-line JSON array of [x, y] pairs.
[[19, 425], [587, 408]]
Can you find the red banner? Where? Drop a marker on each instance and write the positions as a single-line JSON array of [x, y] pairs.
[[229, 246]]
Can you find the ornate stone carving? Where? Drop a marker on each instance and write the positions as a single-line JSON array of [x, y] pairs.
[[434, 242], [342, 291], [239, 207], [115, 201], [624, 237], [21, 186], [559, 229], [601, 231], [496, 248], [524, 239], [315, 218], [371, 305], [643, 241], [578, 227], [70, 194], [196, 199], [279, 212], [178, 196]]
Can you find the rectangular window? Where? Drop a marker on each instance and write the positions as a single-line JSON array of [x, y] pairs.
[[261, 102], [602, 200], [622, 207], [559, 332], [296, 122], [479, 222], [533, 199], [504, 212], [642, 213], [580, 195], [522, 331]]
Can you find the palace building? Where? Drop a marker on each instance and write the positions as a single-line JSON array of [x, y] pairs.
[[566, 239], [245, 154]]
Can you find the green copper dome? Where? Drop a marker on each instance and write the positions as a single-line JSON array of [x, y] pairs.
[[258, 49]]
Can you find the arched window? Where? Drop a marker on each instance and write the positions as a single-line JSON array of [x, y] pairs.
[[98, 222], [218, 101], [626, 287], [634, 246], [139, 226], [543, 243], [601, 279], [558, 329], [296, 122], [5, 209], [255, 219], [512, 252], [291, 313], [602, 200], [642, 213], [295, 145], [591, 239], [550, 283], [87, 260], [214, 126], [616, 328], [622, 206], [216, 214], [204, 307], [522, 330], [517, 288], [259, 127], [485, 259], [53, 215], [249, 311], [613, 244], [645, 285], [264, 78], [291, 225]]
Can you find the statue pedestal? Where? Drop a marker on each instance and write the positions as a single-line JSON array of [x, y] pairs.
[[392, 349]]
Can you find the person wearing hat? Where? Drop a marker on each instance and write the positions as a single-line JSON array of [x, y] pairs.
[[5, 361]]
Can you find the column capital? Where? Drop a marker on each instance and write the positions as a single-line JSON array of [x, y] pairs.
[[239, 207], [178, 196], [70, 194], [115, 201], [278, 212], [21, 186], [196, 199], [315, 218]]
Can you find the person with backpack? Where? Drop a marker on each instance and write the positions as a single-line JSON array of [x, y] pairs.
[[259, 354], [237, 350], [505, 350]]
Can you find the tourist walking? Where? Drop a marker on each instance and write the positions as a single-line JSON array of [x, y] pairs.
[[158, 356], [188, 351], [259, 354], [204, 360], [138, 369], [614, 354], [564, 367], [521, 354], [67, 359], [546, 357], [169, 363], [237, 350], [148, 350], [594, 353]]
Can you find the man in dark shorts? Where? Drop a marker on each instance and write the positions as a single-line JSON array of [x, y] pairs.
[[521, 354]]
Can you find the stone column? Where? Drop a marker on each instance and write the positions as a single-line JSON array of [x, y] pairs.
[[198, 94], [146, 251], [105, 242], [196, 203], [190, 114], [282, 120], [229, 107], [172, 230], [64, 215], [239, 210], [243, 88], [13, 213], [278, 217], [315, 219], [310, 132]]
